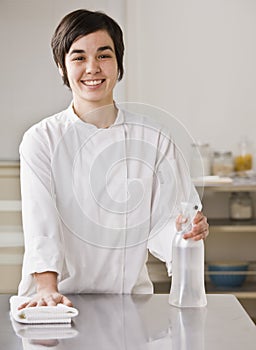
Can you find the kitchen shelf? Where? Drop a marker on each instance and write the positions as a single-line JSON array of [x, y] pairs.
[[9, 169], [237, 185], [11, 236], [247, 290], [250, 272], [230, 188], [10, 205], [227, 225], [216, 199]]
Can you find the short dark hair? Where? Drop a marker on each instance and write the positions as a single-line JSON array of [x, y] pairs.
[[79, 23]]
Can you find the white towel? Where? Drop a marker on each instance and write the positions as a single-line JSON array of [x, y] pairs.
[[40, 314], [44, 331]]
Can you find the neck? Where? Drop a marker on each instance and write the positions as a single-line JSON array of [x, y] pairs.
[[101, 116]]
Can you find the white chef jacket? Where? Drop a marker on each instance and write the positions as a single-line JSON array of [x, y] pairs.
[[94, 201]]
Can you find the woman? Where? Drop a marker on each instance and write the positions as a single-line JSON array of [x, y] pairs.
[[100, 185]]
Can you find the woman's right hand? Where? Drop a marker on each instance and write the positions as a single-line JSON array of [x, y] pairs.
[[47, 292], [47, 299]]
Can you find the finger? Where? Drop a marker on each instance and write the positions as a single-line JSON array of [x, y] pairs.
[[193, 232], [201, 222], [32, 304], [198, 237], [50, 301], [201, 235], [202, 229], [199, 217], [201, 226], [179, 222], [22, 306], [196, 234], [41, 302], [66, 301], [188, 235]]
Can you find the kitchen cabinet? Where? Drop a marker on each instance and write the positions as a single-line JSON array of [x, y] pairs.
[[231, 240], [11, 236]]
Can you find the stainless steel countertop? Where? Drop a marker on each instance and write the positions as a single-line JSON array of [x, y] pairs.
[[137, 322]]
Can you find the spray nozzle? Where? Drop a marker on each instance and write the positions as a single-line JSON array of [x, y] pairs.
[[188, 212]]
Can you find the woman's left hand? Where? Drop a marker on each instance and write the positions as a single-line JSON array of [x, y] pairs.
[[200, 229]]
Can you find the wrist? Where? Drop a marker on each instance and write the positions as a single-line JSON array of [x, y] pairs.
[[46, 282], [46, 289]]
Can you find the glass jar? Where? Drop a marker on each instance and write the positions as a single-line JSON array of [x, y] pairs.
[[240, 206], [222, 163], [243, 159], [200, 160]]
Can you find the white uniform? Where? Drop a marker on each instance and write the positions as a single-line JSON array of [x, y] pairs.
[[95, 200]]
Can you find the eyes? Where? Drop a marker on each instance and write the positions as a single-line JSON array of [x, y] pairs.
[[78, 58], [82, 58]]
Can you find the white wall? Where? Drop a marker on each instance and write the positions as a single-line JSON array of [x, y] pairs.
[[196, 59], [31, 87], [193, 58]]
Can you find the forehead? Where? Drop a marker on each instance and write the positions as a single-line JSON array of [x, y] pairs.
[[93, 41]]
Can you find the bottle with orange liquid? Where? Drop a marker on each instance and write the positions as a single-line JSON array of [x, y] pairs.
[[243, 160]]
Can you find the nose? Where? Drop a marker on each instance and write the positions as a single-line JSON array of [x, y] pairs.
[[92, 66]]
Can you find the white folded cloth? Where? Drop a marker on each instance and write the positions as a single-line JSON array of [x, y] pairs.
[[40, 314], [44, 331]]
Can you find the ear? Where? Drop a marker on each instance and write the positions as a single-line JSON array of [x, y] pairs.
[[60, 70]]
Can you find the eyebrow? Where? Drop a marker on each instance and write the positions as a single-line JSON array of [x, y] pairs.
[[100, 49]]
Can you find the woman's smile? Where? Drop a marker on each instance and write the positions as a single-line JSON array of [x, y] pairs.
[[93, 83]]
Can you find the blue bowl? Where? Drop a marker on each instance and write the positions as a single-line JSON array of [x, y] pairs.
[[227, 280]]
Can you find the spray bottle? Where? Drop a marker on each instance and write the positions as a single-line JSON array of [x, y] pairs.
[[187, 289]]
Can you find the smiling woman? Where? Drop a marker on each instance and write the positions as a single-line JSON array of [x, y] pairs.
[[100, 185]]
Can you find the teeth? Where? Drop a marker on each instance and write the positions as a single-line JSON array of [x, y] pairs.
[[93, 82]]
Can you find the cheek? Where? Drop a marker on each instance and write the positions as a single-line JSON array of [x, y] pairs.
[[110, 69], [74, 71], [115, 75]]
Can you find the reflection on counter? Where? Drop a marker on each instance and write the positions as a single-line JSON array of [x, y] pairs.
[[119, 322], [188, 326], [138, 322]]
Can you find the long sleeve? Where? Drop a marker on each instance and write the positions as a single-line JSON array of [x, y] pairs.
[[42, 234], [172, 185]]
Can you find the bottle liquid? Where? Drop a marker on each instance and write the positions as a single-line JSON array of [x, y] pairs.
[[187, 288]]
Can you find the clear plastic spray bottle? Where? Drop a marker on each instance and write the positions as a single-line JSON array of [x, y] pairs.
[[187, 288]]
